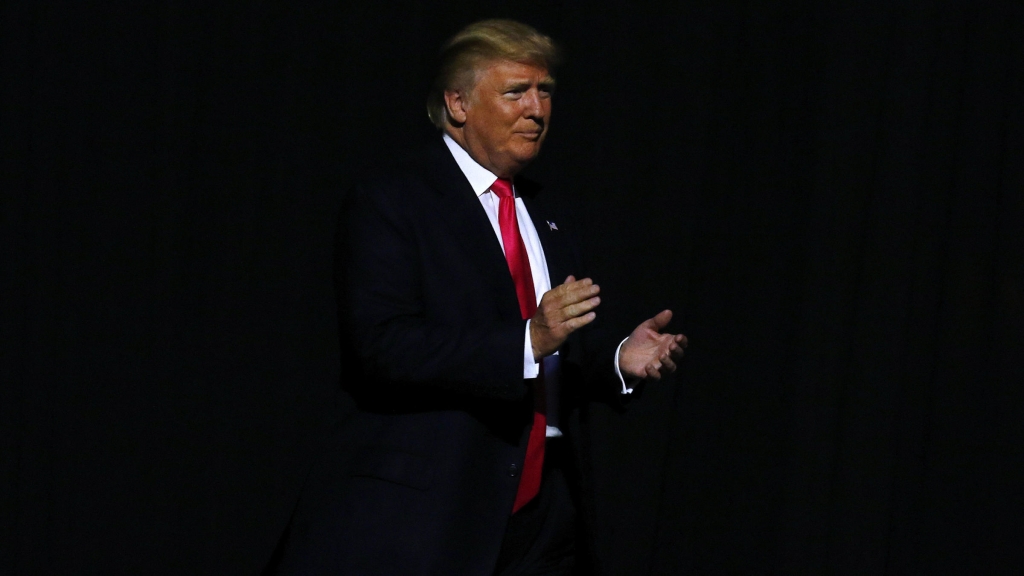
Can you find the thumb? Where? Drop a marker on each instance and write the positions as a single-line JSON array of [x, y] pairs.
[[660, 320], [569, 278]]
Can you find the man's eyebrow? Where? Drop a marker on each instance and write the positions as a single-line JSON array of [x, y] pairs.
[[545, 84], [518, 85]]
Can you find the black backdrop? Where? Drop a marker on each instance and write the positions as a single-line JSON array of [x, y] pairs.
[[830, 195]]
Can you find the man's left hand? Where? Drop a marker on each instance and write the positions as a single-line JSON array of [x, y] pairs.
[[648, 353]]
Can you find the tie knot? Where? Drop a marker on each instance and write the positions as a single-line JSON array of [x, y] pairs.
[[502, 187]]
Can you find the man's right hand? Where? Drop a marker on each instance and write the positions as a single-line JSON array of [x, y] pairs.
[[562, 310]]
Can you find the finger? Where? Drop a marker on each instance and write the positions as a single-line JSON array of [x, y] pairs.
[[577, 292], [582, 285], [675, 347], [573, 324], [565, 287], [571, 281], [658, 321], [667, 365], [580, 308], [661, 319], [652, 372], [570, 293], [569, 284], [681, 340]]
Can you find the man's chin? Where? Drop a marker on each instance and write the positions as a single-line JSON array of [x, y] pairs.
[[525, 154]]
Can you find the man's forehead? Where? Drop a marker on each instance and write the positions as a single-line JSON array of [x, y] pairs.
[[511, 71]]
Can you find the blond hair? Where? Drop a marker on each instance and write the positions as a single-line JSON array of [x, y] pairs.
[[485, 41]]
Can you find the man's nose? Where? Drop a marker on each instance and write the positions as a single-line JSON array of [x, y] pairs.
[[531, 104]]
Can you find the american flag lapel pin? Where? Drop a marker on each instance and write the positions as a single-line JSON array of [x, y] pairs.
[[552, 225]]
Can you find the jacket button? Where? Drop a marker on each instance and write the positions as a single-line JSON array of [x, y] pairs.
[[513, 470]]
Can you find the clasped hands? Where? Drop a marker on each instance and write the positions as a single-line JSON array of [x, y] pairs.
[[647, 353]]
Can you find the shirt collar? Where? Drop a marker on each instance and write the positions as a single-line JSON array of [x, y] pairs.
[[480, 178]]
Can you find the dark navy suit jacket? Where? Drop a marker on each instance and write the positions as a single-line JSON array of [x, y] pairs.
[[421, 478]]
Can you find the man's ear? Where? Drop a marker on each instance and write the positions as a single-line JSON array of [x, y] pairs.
[[456, 106]]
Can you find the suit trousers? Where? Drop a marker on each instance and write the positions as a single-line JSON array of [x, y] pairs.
[[540, 539]]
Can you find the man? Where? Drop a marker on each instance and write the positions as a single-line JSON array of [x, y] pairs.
[[474, 364]]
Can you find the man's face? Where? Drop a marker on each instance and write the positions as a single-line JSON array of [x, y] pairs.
[[506, 115]]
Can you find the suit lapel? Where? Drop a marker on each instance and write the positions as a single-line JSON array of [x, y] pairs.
[[556, 250], [460, 208]]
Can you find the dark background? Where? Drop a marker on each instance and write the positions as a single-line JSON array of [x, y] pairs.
[[830, 195]]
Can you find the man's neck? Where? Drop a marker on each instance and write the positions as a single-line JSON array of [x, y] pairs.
[[480, 178], [459, 136]]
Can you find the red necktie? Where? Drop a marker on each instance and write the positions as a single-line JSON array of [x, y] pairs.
[[519, 266]]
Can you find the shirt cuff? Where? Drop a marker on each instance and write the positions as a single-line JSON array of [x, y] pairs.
[[531, 368], [618, 372]]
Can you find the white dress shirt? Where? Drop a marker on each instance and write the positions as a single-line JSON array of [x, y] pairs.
[[480, 179]]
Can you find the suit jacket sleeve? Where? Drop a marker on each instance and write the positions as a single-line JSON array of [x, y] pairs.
[[395, 338]]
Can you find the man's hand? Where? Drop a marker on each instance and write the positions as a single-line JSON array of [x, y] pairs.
[[562, 310], [648, 353]]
